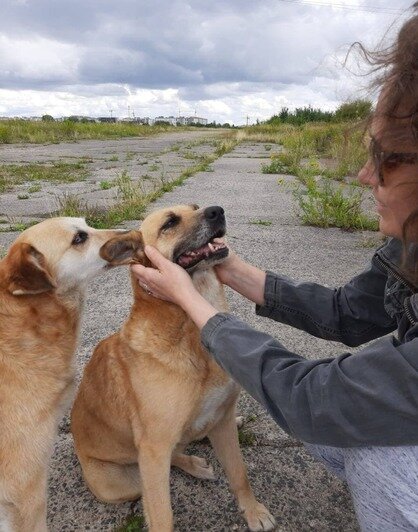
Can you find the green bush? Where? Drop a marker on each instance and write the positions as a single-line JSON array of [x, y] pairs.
[[353, 110]]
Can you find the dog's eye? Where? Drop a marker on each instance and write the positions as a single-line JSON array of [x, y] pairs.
[[79, 238], [171, 222]]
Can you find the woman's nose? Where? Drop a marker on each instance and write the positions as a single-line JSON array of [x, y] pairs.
[[368, 175]]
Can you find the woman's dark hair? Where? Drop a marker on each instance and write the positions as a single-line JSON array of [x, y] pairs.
[[397, 77]]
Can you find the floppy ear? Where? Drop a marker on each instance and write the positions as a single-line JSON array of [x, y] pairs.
[[28, 271], [127, 248]]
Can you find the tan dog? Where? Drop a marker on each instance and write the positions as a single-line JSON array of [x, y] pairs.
[[152, 388], [42, 284]]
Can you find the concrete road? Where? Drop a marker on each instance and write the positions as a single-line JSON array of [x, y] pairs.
[[297, 490]]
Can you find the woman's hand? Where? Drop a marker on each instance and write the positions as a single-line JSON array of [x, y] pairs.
[[169, 281], [225, 270]]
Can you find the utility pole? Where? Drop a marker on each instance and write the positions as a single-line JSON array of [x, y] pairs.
[[129, 111], [248, 118], [110, 111]]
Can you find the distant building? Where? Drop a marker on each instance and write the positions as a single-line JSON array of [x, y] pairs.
[[172, 120], [192, 120], [108, 119]]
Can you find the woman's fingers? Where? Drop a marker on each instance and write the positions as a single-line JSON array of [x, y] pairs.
[[141, 272], [156, 257]]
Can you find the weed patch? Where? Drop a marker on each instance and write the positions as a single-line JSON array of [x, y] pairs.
[[326, 204], [131, 200], [58, 172], [35, 188], [105, 185], [225, 146], [246, 437], [134, 523]]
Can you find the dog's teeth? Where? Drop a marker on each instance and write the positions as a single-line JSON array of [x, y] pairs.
[[211, 247]]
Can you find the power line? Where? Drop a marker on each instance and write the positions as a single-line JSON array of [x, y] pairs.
[[347, 7]]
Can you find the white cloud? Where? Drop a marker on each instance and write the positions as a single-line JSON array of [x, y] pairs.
[[226, 59], [38, 60]]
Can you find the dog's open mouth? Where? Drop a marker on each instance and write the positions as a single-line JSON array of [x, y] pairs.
[[215, 249]]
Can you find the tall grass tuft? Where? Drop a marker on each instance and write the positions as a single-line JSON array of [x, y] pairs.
[[323, 203], [15, 131]]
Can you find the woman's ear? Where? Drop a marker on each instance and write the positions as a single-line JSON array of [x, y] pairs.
[[28, 272], [127, 248]]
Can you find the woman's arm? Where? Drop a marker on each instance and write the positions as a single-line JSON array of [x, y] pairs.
[[369, 398], [242, 277], [364, 399]]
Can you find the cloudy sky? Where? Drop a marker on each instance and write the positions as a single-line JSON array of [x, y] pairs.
[[225, 60]]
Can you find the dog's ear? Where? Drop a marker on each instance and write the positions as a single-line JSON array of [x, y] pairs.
[[128, 248], [27, 271]]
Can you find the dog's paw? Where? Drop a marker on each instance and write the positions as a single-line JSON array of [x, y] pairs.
[[201, 469], [259, 518], [239, 421]]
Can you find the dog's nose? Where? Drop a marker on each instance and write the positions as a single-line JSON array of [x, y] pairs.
[[214, 213]]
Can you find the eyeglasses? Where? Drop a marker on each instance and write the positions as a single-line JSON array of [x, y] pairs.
[[387, 161]]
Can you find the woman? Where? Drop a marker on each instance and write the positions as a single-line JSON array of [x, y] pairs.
[[356, 413]]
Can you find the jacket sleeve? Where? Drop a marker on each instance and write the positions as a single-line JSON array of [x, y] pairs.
[[368, 398], [353, 314]]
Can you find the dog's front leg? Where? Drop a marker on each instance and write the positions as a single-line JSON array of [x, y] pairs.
[[27, 513], [154, 467], [224, 439]]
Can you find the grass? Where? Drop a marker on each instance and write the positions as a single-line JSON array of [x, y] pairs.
[[227, 144], [35, 188], [22, 196], [131, 200], [277, 165], [134, 523], [105, 185], [323, 203], [58, 172], [246, 437], [18, 131], [339, 145], [17, 226], [320, 155]]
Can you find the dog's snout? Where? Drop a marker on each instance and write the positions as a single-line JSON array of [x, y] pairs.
[[214, 214]]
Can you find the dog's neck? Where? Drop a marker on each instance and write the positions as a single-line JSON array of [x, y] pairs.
[[159, 327]]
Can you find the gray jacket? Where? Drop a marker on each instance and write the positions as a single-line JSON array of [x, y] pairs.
[[368, 398]]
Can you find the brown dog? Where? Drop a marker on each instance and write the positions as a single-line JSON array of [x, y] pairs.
[[42, 284], [152, 388]]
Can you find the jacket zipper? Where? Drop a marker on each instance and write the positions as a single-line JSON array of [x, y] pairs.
[[408, 312], [387, 267]]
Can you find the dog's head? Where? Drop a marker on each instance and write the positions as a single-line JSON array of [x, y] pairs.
[[58, 253], [184, 234]]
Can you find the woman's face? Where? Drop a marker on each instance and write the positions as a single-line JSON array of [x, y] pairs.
[[397, 197]]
